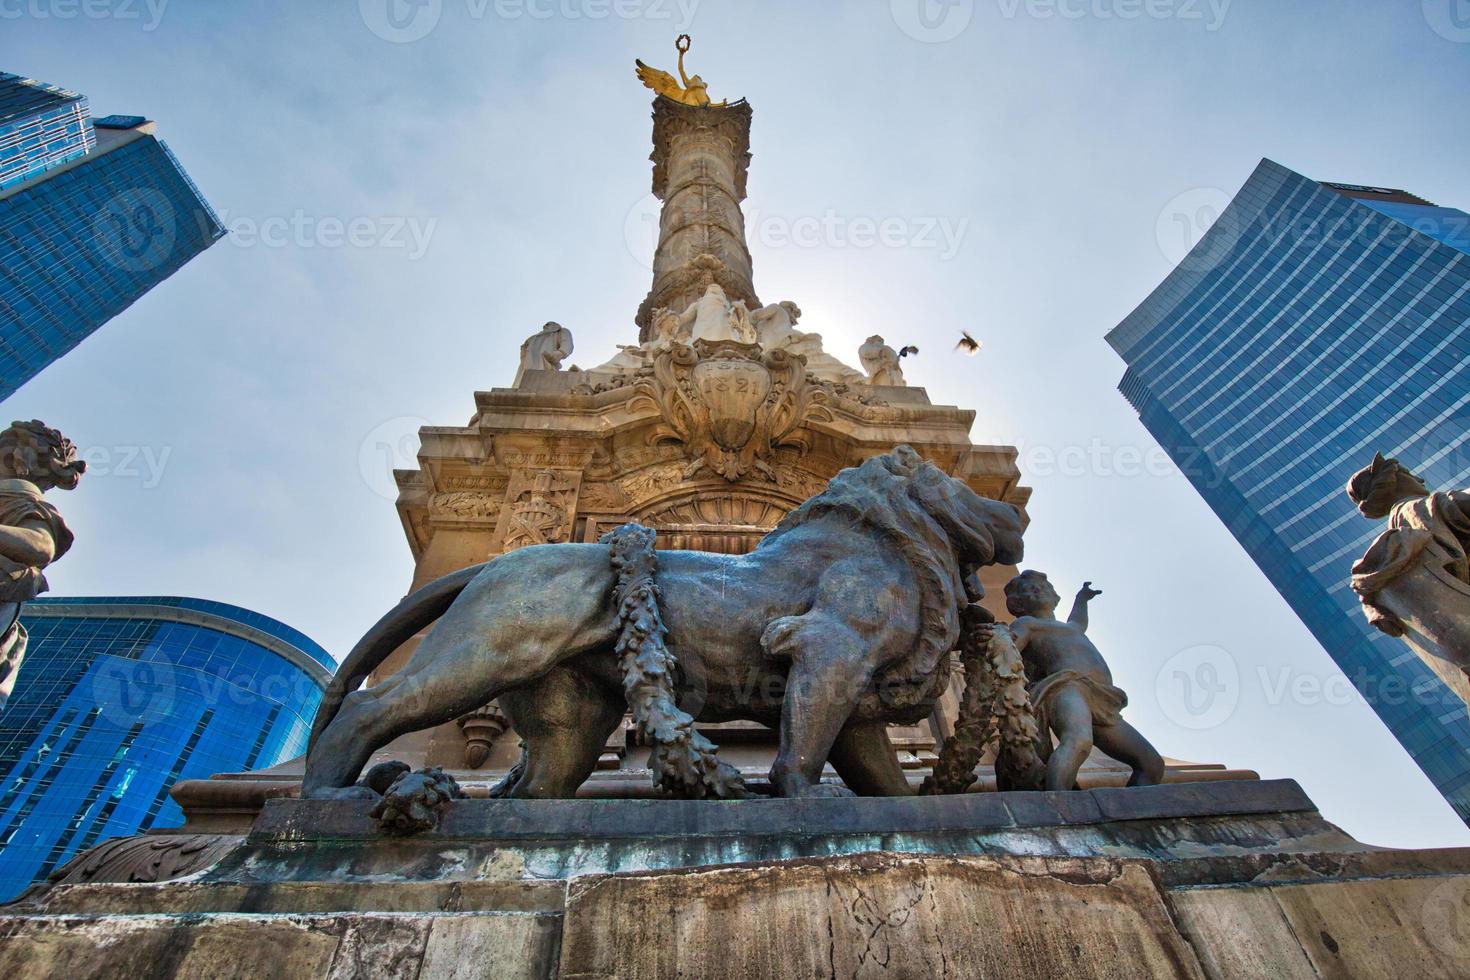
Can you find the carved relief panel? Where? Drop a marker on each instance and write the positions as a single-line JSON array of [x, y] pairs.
[[729, 403], [540, 506]]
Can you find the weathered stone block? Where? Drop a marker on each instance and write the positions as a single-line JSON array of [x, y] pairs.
[[1384, 927], [1240, 932], [128, 948], [493, 947], [877, 915]]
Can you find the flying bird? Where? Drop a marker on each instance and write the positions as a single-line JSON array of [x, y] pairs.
[[910, 349], [968, 344]]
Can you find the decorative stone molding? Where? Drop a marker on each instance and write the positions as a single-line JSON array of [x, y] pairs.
[[451, 483], [616, 382], [651, 481], [517, 457], [481, 728], [728, 510], [464, 504], [729, 403], [148, 858], [730, 523], [539, 507]]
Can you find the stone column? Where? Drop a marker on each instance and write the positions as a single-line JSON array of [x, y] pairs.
[[700, 159]]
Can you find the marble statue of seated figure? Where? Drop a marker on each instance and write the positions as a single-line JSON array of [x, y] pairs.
[[544, 351], [632, 357], [667, 330], [713, 317], [775, 327], [1071, 688], [881, 362]]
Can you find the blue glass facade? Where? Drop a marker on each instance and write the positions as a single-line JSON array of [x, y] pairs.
[[122, 697], [82, 242], [41, 126], [1312, 326]]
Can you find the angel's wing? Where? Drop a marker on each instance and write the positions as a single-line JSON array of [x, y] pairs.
[[660, 81]]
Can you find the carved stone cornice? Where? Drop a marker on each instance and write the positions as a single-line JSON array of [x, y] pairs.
[[670, 119], [631, 462]]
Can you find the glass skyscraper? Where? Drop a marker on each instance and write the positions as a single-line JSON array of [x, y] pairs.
[[41, 126], [1313, 325], [92, 216], [121, 698]]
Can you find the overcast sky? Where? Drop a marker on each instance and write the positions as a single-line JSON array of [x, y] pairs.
[[1036, 169]]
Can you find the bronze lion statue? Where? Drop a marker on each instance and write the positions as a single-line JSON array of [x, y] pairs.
[[838, 624]]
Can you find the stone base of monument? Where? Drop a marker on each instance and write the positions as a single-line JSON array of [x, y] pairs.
[[1224, 879]]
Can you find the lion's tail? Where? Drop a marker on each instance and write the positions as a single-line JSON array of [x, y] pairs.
[[417, 610]]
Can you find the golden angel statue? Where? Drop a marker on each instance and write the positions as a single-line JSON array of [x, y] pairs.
[[694, 91]]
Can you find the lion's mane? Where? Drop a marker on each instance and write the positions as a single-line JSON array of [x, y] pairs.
[[881, 496]]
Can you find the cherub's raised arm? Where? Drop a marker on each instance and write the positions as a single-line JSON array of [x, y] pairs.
[[1086, 594]]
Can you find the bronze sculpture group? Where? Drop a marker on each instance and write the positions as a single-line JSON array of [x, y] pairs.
[[839, 624]]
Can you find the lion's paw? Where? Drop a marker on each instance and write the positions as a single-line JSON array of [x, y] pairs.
[[413, 802], [380, 777]]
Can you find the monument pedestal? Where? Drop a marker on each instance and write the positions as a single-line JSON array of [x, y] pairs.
[[1222, 879]]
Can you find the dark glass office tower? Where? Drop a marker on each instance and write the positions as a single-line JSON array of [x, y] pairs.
[[121, 698], [92, 216], [1313, 325]]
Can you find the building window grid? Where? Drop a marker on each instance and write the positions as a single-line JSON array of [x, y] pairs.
[[1432, 340], [1322, 325], [98, 284], [1146, 355], [259, 713], [1245, 312]]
